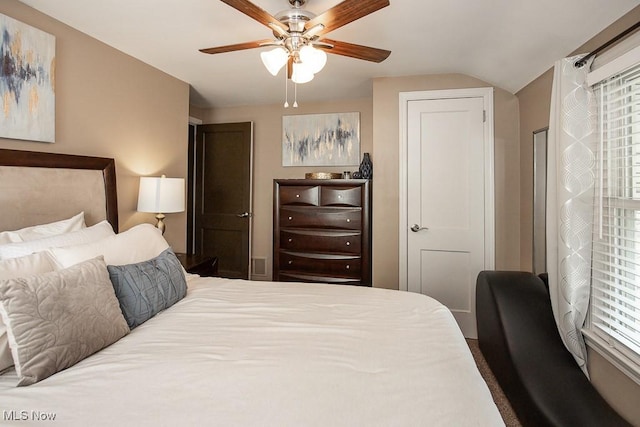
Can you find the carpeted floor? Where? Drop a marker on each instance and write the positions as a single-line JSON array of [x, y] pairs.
[[508, 415]]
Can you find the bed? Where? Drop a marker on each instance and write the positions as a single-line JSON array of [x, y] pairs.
[[229, 352]]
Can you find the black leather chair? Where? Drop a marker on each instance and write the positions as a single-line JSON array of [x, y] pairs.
[[517, 335]]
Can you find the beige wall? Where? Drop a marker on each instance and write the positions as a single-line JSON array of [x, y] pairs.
[[622, 393], [386, 146], [267, 154], [109, 104], [379, 133], [535, 101]]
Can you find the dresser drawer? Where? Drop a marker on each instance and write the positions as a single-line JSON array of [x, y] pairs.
[[341, 196], [348, 242], [329, 265], [299, 195], [311, 278], [336, 218]]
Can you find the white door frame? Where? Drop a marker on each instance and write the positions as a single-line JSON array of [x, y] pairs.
[[489, 201]]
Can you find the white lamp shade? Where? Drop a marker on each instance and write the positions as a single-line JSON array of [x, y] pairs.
[[301, 73], [161, 195], [274, 59], [314, 58]]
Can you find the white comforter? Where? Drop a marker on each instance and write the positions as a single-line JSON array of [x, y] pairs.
[[240, 353]]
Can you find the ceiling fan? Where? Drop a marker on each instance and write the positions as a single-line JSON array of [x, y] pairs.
[[299, 36]]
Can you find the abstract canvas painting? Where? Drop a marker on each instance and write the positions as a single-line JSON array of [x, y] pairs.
[[321, 139], [27, 90]]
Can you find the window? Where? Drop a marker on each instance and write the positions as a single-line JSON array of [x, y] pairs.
[[615, 281]]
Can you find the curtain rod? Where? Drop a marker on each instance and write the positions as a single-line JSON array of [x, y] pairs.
[[617, 38]]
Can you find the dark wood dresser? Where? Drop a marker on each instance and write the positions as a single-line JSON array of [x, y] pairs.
[[322, 231]]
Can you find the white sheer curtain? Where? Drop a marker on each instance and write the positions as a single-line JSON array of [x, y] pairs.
[[570, 183]]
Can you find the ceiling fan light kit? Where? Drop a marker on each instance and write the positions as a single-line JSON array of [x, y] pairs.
[[298, 33], [314, 58], [274, 60], [301, 73]]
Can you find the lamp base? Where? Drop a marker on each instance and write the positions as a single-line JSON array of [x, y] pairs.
[[160, 225]]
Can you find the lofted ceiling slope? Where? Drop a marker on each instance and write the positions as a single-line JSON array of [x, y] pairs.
[[506, 43]]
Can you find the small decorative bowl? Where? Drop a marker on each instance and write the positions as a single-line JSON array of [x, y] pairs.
[[322, 175]]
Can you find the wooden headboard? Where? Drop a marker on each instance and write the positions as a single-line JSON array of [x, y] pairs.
[[36, 188]]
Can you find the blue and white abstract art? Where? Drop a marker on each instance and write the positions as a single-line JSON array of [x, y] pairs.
[[321, 139], [27, 90]]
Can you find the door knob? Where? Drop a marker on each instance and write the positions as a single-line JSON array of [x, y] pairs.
[[415, 228], [244, 215]]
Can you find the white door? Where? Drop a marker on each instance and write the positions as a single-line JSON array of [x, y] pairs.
[[448, 178]]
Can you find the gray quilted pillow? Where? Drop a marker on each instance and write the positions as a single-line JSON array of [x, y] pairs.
[[56, 319], [146, 288]]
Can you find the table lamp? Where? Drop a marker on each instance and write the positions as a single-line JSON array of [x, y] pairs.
[[161, 195]]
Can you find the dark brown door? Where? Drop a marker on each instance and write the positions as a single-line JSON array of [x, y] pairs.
[[222, 195]]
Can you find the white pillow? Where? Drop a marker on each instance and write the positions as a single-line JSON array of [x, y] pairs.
[[28, 265], [25, 266], [86, 235], [138, 244], [26, 234]]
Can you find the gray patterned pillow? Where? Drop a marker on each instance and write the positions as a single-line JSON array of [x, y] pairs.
[[146, 288], [56, 319]]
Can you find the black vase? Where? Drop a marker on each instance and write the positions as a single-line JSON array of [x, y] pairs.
[[366, 167]]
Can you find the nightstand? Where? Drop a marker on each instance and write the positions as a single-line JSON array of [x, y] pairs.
[[203, 265]]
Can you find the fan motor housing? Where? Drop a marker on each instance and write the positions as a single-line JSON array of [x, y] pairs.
[[295, 18]]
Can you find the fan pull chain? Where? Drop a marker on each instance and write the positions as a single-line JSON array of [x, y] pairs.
[[286, 91], [295, 95]]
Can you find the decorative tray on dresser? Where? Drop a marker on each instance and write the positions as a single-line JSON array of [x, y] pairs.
[[321, 231]]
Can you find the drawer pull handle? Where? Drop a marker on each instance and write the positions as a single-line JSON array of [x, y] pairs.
[[348, 243], [290, 262], [340, 196], [297, 196], [348, 266], [290, 218], [290, 240], [348, 220]]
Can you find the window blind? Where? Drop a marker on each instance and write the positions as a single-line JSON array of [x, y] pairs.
[[615, 293]]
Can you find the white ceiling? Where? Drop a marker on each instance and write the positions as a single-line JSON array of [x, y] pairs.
[[506, 43]]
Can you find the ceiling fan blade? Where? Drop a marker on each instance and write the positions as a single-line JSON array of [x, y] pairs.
[[255, 12], [344, 13], [238, 46], [354, 50]]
